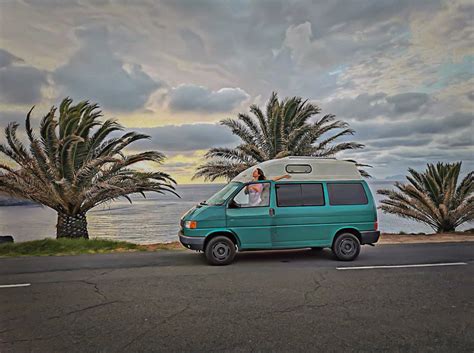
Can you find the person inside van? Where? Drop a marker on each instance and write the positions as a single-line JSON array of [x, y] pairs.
[[255, 190]]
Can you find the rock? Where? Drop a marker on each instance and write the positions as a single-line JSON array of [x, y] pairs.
[[6, 239]]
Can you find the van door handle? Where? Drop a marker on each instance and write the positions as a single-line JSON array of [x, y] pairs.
[[271, 212]]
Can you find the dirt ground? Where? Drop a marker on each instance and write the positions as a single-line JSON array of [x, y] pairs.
[[428, 238]]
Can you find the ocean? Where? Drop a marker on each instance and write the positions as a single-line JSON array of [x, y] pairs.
[[151, 220]]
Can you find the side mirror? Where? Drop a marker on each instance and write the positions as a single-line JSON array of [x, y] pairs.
[[233, 204]]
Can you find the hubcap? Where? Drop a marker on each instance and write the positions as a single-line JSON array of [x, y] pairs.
[[348, 247], [221, 251]]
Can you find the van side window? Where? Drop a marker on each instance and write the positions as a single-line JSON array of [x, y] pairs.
[[312, 194], [346, 194], [307, 194], [288, 195], [253, 195]]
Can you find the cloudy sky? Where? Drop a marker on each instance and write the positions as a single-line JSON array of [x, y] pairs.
[[399, 71]]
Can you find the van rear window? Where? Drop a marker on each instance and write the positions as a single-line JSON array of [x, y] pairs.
[[299, 195], [346, 194]]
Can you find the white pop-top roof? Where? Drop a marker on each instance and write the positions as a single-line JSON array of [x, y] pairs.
[[304, 169]]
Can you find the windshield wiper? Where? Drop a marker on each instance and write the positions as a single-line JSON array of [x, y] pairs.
[[203, 203]]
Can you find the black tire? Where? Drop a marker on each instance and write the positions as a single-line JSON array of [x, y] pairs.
[[220, 251], [346, 247], [316, 248]]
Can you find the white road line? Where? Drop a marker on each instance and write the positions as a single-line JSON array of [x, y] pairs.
[[401, 266], [15, 285]]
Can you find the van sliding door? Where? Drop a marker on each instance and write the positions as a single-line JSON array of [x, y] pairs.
[[300, 215]]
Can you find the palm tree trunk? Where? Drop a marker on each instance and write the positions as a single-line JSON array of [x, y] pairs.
[[445, 228], [74, 226]]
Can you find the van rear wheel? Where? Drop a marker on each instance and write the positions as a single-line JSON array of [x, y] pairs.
[[220, 251], [346, 247]]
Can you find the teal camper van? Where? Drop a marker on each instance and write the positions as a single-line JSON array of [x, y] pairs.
[[324, 204]]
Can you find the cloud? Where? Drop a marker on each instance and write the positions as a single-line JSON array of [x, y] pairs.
[[367, 106], [396, 70], [400, 141], [6, 58], [187, 137], [189, 97], [291, 46], [9, 117], [19, 83], [437, 53], [463, 138], [407, 102], [374, 130], [193, 43], [95, 72]]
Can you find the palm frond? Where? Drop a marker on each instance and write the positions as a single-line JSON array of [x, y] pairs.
[[72, 167], [215, 169], [239, 129], [284, 130], [433, 197]]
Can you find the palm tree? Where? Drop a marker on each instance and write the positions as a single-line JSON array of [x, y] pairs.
[[75, 165], [284, 130], [433, 197]]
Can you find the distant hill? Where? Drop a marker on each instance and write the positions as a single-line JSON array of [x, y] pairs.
[[10, 201], [399, 177]]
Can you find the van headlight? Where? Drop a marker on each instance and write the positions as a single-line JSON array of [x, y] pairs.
[[190, 224]]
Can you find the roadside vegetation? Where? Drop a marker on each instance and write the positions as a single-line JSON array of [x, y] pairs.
[[64, 246], [284, 129], [433, 197], [77, 162]]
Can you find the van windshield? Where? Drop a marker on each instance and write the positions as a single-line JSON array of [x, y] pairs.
[[221, 196]]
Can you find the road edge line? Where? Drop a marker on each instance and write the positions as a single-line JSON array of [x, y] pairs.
[[401, 266], [15, 285]]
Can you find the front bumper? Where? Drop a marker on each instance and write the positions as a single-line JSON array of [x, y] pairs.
[[193, 243], [369, 237]]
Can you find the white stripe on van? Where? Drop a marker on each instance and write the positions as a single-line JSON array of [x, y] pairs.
[[400, 266]]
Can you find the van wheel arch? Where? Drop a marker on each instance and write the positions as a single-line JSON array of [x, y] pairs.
[[347, 230], [229, 235]]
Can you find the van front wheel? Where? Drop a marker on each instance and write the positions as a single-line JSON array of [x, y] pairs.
[[346, 247], [220, 251]]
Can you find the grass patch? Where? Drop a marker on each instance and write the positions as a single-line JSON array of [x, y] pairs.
[[49, 247]]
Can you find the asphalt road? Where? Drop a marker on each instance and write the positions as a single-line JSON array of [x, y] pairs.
[[290, 301]]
